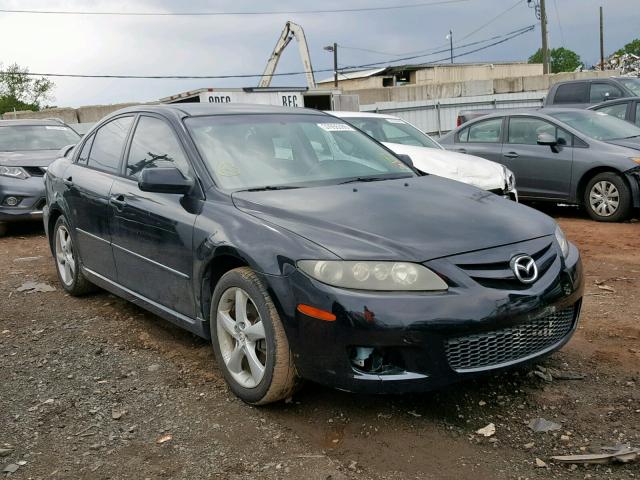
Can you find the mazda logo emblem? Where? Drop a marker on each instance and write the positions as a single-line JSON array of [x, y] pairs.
[[525, 269]]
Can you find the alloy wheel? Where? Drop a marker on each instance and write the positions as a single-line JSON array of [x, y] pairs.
[[64, 255], [604, 198], [241, 337]]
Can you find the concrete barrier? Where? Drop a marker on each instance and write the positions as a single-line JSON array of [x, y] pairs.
[[67, 115]]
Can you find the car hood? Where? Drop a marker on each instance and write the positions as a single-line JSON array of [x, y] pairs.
[[29, 158], [633, 143], [475, 171], [415, 219]]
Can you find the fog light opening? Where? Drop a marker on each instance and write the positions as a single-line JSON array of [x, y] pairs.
[[374, 360], [11, 201]]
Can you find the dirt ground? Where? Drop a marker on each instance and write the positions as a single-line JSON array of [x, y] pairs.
[[97, 388]]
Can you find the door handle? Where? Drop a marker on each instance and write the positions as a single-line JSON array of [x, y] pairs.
[[68, 181], [511, 155], [461, 150], [118, 201]]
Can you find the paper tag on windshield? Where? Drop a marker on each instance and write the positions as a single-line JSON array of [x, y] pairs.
[[49, 127], [395, 120], [336, 127]]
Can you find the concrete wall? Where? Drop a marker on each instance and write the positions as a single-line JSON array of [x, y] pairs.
[[409, 93], [88, 114]]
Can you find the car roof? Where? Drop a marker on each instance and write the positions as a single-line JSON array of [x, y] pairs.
[[33, 122], [345, 114], [205, 109], [615, 101]]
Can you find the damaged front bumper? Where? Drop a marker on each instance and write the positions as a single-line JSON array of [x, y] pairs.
[[392, 342]]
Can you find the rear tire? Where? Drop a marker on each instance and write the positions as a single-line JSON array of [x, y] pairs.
[[607, 198], [249, 342], [67, 261]]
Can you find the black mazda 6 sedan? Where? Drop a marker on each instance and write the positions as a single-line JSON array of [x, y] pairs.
[[304, 249]]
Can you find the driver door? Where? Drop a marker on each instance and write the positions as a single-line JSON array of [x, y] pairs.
[[541, 171]]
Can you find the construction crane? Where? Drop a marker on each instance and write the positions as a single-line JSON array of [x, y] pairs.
[[291, 30]]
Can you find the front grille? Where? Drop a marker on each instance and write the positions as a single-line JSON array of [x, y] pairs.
[[491, 349], [500, 275]]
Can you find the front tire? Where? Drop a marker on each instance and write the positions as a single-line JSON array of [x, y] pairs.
[[249, 342], [67, 261], [607, 198], [3, 229]]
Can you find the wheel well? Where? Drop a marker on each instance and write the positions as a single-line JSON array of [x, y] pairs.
[[582, 184], [213, 273], [54, 214]]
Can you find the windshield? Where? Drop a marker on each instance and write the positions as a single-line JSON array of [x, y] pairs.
[[36, 137], [392, 130], [632, 84], [597, 125], [256, 151]]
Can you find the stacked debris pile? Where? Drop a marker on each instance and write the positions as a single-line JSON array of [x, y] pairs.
[[628, 64]]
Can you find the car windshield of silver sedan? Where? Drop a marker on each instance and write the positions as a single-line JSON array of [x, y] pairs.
[[289, 150], [36, 137], [598, 125], [393, 130]]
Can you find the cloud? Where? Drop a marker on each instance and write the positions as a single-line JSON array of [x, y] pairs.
[[241, 44]]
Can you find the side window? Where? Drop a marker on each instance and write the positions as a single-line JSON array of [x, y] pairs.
[[638, 114], [155, 144], [572, 93], [604, 91], [525, 131], [619, 110], [463, 135], [84, 154], [487, 131], [108, 144]]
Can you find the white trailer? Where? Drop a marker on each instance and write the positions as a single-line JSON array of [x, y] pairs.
[[283, 96]]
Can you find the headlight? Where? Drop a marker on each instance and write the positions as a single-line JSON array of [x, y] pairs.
[[381, 276], [562, 241], [13, 172], [510, 179]]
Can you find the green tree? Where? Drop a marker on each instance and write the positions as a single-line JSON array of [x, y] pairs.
[[631, 47], [562, 59], [21, 91]]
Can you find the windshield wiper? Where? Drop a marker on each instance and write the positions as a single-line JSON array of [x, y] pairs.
[[269, 188], [370, 179]]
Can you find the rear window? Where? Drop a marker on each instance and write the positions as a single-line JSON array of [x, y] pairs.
[[572, 93], [36, 137]]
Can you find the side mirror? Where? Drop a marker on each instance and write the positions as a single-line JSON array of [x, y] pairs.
[[164, 180], [406, 159], [64, 151], [607, 96], [546, 139]]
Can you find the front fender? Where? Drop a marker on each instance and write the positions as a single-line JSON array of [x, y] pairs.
[[223, 231]]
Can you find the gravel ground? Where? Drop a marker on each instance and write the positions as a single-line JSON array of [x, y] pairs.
[[97, 388]]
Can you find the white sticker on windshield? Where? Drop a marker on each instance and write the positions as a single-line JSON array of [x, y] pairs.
[[395, 120], [336, 127], [49, 127]]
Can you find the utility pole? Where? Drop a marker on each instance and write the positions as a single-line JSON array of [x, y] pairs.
[[334, 48], [451, 43], [545, 40], [601, 40]]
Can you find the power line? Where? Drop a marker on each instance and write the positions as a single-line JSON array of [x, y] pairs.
[[507, 37], [518, 2], [504, 12], [555, 4], [219, 13], [436, 50]]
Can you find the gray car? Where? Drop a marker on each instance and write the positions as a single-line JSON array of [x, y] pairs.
[[589, 91], [625, 109], [562, 156], [27, 147]]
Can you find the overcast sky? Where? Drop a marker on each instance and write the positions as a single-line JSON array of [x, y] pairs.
[[229, 45]]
